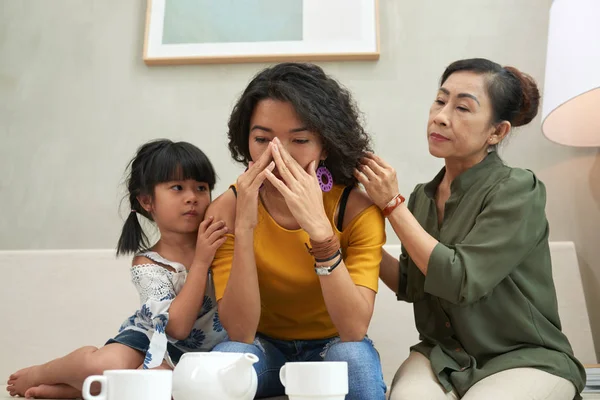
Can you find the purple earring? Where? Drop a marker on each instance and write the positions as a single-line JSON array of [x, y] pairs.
[[325, 178]]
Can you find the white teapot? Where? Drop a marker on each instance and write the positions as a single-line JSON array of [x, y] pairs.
[[215, 376]]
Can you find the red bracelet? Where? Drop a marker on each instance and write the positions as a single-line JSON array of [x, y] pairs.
[[392, 204]]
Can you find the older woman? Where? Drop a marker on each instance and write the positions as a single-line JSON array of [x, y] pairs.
[[475, 259], [296, 281]]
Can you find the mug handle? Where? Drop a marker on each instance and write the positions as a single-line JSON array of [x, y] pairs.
[[85, 390], [282, 375]]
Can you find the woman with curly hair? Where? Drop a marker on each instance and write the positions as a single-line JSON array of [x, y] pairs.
[[296, 279]]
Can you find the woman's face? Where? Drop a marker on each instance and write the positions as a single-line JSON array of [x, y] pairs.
[[459, 125], [278, 119]]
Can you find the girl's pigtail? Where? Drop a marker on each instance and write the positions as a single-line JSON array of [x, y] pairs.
[[132, 237]]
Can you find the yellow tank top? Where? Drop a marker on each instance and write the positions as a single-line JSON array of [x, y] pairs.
[[292, 304]]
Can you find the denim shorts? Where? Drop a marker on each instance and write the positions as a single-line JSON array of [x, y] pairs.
[[140, 342]]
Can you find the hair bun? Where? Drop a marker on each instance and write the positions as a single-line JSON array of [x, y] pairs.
[[530, 98]]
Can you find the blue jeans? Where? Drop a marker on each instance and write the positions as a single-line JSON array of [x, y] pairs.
[[365, 379]]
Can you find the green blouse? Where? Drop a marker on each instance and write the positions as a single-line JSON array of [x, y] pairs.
[[488, 301]]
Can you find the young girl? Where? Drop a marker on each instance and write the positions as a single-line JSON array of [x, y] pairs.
[[169, 183]]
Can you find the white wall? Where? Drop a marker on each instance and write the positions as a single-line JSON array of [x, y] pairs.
[[76, 100]]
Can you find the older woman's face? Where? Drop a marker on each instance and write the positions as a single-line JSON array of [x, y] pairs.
[[459, 125], [277, 119]]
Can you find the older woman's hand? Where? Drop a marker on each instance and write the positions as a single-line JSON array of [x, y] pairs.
[[378, 178], [301, 192]]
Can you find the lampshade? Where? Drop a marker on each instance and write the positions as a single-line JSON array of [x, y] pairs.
[[571, 100]]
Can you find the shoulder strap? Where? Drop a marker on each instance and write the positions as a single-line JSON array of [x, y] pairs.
[[342, 211], [234, 190]]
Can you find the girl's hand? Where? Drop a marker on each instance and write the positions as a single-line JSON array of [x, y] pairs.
[[301, 192], [211, 235], [378, 178], [248, 185]]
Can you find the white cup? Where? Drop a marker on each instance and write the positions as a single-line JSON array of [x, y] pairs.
[[323, 380], [130, 384]]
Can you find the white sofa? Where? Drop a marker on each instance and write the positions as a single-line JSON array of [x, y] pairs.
[[58, 300]]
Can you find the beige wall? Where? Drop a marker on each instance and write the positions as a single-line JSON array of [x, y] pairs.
[[76, 100]]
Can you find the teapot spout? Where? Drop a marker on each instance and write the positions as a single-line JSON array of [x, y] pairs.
[[236, 379]]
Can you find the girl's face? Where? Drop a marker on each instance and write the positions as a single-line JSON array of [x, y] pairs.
[[178, 206], [277, 119]]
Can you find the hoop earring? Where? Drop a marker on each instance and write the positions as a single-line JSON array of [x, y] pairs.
[[325, 178]]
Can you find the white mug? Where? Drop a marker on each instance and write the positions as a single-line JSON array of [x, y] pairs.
[[130, 384], [325, 380]]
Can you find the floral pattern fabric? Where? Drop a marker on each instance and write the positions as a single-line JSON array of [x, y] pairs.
[[157, 287]]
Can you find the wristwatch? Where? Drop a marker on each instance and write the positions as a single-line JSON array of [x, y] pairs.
[[327, 270], [392, 204]]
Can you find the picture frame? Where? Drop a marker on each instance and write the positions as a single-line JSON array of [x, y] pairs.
[[234, 31]]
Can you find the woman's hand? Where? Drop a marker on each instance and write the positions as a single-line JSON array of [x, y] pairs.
[[378, 178], [301, 192], [248, 185], [211, 235]]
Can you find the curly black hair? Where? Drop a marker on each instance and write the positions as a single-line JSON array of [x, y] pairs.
[[321, 103]]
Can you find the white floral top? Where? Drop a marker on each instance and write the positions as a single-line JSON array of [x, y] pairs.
[[157, 287]]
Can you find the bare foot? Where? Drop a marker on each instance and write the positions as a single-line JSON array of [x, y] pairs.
[[20, 381], [60, 391]]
